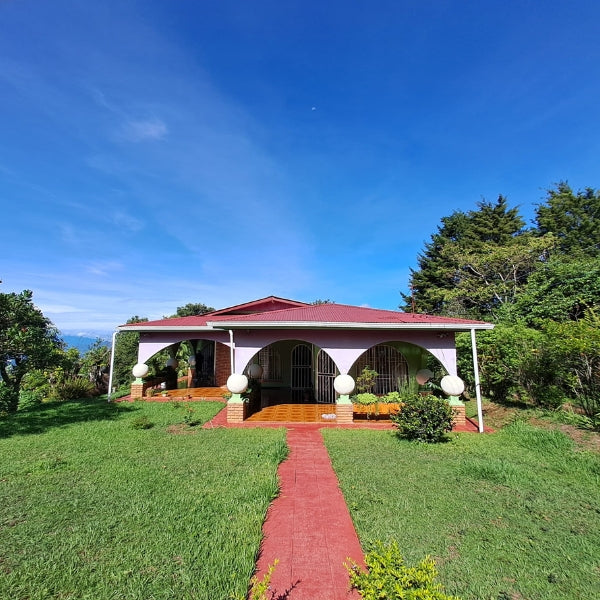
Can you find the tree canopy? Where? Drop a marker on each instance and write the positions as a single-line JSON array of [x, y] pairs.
[[192, 309], [573, 218], [452, 259], [28, 340]]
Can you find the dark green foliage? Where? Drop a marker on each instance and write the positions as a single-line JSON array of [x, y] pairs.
[[425, 418], [142, 422], [388, 578], [562, 289], [440, 265], [28, 341], [573, 218], [73, 388], [192, 309], [126, 351]]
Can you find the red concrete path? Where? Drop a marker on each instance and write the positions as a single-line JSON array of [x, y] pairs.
[[308, 526]]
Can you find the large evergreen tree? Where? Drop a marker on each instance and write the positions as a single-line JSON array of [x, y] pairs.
[[573, 218], [441, 266]]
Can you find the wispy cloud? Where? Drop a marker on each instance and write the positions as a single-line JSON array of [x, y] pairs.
[[103, 268], [143, 131], [125, 221]]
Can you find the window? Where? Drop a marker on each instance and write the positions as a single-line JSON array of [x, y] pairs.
[[270, 361], [390, 365]]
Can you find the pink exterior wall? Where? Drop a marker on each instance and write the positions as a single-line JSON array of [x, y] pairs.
[[151, 343], [344, 346]]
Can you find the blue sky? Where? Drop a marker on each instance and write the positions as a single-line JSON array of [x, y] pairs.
[[155, 153]]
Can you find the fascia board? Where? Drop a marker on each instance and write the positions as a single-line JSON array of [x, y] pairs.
[[324, 325], [159, 328]]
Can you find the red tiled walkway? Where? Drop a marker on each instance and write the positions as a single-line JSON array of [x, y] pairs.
[[308, 526]]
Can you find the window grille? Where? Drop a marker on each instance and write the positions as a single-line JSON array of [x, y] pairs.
[[390, 365], [302, 373], [326, 373], [270, 361]]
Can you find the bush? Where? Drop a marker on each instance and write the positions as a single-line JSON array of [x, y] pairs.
[[9, 398], [392, 398], [423, 418], [142, 422], [388, 578], [364, 399], [74, 388]]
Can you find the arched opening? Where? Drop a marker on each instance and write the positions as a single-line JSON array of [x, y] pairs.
[[390, 365], [295, 371], [326, 373], [302, 374]]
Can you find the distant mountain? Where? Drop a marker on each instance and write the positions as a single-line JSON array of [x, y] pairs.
[[81, 342]]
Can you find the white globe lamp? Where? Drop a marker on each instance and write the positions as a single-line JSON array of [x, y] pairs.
[[140, 370], [237, 384], [423, 376], [343, 385], [172, 362], [452, 385]]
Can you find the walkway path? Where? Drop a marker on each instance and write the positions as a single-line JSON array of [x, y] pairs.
[[308, 526]]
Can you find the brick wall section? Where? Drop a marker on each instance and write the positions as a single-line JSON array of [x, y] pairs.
[[236, 412], [137, 390], [343, 414], [222, 364], [459, 415]]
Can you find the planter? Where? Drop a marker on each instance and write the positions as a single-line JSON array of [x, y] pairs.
[[375, 411]]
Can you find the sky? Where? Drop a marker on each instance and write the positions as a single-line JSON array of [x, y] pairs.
[[159, 152]]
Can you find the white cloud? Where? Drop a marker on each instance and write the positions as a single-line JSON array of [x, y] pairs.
[[141, 131], [103, 268], [125, 221]]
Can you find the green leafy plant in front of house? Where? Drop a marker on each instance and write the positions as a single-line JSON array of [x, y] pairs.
[[365, 382], [388, 578], [365, 399], [392, 398], [423, 418]]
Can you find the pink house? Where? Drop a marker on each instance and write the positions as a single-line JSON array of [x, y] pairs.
[[301, 348]]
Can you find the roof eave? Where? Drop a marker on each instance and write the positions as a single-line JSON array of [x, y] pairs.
[[159, 328], [329, 325]]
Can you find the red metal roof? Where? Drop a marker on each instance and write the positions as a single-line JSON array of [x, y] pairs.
[[306, 314], [341, 313]]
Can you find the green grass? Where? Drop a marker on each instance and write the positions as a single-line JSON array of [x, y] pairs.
[[507, 516], [100, 501]]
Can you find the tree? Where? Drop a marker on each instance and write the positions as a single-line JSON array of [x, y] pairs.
[[319, 301], [439, 266], [574, 219], [28, 340], [492, 275], [96, 365], [126, 352], [562, 289], [192, 309]]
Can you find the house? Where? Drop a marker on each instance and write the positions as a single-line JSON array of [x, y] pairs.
[[301, 348]]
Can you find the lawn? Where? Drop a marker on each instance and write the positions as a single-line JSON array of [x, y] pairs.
[[93, 505], [507, 516]]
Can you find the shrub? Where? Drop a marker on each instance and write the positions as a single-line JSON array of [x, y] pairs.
[[142, 422], [365, 382], [424, 418], [388, 578], [9, 397], [392, 398], [365, 399], [74, 388]]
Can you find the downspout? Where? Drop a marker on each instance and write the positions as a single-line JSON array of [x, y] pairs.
[[231, 351], [112, 365], [477, 383]]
